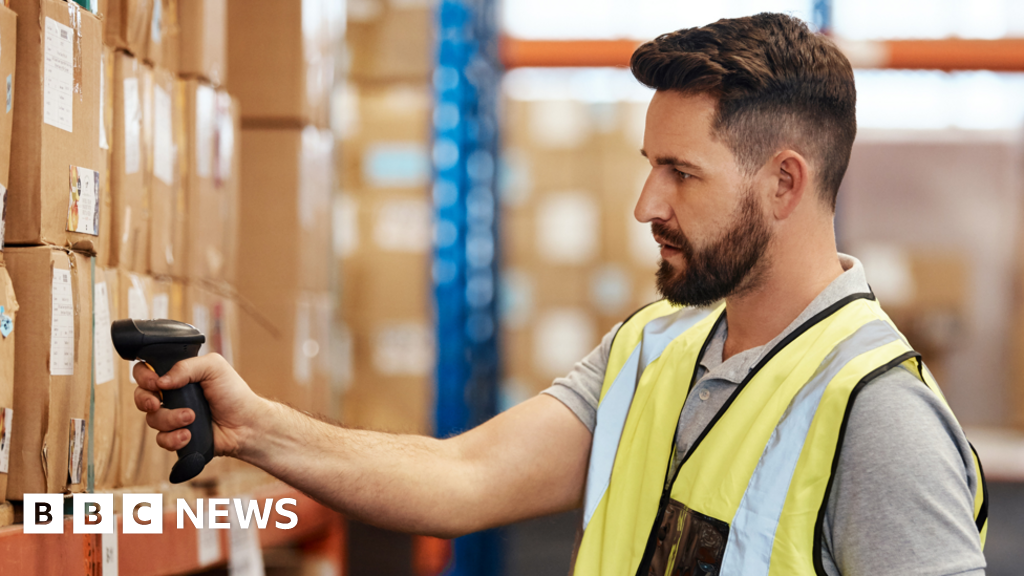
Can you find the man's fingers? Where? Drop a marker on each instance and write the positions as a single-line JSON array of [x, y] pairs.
[[146, 401], [175, 440], [166, 420], [195, 369], [144, 376]]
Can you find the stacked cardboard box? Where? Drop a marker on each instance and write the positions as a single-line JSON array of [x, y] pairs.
[[8, 301], [575, 261], [384, 216], [384, 251], [284, 58], [51, 236]]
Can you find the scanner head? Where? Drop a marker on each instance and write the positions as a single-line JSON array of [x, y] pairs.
[[131, 337]]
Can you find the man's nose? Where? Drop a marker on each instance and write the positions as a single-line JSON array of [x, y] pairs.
[[653, 202]]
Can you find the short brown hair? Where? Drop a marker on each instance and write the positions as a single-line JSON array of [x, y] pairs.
[[777, 83]]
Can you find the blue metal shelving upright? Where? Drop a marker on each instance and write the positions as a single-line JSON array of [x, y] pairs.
[[466, 93]]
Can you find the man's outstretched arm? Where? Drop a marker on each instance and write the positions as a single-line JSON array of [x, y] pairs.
[[528, 461]]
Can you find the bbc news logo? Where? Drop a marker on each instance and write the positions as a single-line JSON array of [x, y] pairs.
[[143, 513]]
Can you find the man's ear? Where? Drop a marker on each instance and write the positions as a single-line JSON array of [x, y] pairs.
[[792, 182]]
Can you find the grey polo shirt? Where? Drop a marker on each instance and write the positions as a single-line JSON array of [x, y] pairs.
[[902, 501]]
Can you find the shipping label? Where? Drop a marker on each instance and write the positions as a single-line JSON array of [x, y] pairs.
[[62, 325], [206, 107], [3, 213], [163, 136], [201, 320], [10, 92], [132, 125], [103, 346], [84, 201], [138, 309], [103, 90], [76, 449], [161, 306], [58, 75], [6, 416]]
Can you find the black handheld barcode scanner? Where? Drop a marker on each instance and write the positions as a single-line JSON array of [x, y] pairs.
[[162, 344]]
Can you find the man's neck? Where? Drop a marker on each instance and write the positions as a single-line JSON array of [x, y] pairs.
[[757, 316]]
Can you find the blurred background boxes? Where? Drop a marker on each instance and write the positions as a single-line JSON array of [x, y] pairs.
[[202, 38], [282, 60], [130, 213]]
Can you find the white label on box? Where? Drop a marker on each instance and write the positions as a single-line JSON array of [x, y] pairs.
[[225, 137], [103, 109], [109, 543], [76, 449], [403, 226], [404, 349], [559, 123], [206, 100], [132, 126], [6, 416], [62, 325], [103, 346], [246, 555], [58, 75], [138, 309], [346, 225], [155, 31], [568, 228], [201, 320], [208, 547], [163, 135], [305, 347], [561, 337], [84, 201], [161, 306]]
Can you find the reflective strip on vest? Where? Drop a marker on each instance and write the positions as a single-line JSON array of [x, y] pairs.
[[614, 407], [752, 533]]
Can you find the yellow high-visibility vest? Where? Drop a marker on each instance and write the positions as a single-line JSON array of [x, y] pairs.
[[757, 481]]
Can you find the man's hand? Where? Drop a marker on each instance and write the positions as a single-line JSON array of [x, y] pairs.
[[234, 406]]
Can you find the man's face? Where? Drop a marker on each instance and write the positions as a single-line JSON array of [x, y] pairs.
[[704, 211]]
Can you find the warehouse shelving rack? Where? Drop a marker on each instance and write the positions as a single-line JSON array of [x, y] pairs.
[[466, 90]]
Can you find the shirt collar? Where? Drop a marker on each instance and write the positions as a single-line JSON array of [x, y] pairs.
[[735, 369]]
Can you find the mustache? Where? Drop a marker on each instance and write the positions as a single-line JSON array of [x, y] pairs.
[[674, 237]]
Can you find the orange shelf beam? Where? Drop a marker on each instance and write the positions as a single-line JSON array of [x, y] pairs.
[[952, 54]]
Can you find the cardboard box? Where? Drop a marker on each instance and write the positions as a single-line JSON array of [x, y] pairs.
[[129, 192], [56, 163], [106, 378], [203, 39], [286, 175], [202, 228], [8, 52], [283, 346], [8, 319], [227, 183], [164, 36], [133, 301], [281, 56], [396, 45], [166, 124], [214, 313], [52, 370], [126, 25]]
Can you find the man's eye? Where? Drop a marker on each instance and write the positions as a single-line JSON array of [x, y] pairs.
[[682, 175]]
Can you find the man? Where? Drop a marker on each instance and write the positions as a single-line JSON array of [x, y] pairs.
[[791, 430]]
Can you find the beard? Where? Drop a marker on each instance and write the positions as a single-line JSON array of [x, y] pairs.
[[729, 266]]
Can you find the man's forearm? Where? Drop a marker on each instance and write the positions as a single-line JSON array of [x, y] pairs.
[[400, 482]]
